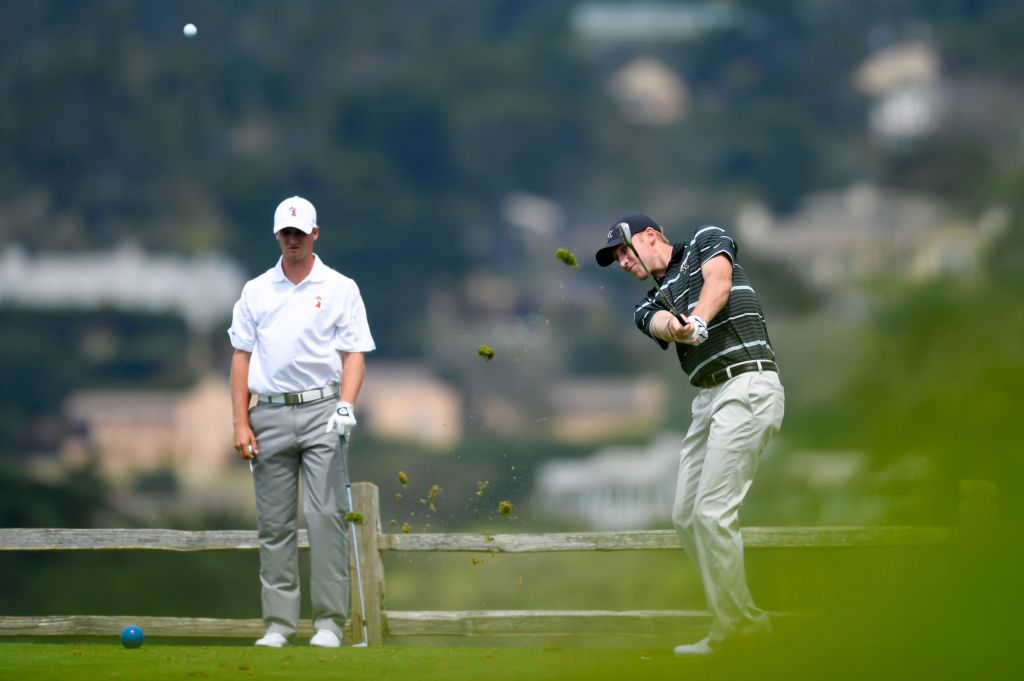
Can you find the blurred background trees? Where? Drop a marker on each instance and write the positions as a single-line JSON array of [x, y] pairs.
[[419, 128]]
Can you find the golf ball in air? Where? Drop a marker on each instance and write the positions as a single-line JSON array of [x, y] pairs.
[[131, 636], [190, 30]]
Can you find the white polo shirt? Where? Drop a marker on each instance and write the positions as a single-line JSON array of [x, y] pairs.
[[295, 331]]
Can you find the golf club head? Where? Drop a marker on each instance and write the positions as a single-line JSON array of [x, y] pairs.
[[622, 233], [361, 644]]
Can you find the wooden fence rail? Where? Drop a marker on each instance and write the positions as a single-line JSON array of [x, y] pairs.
[[977, 514]]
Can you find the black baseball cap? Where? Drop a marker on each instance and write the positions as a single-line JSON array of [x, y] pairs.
[[637, 223]]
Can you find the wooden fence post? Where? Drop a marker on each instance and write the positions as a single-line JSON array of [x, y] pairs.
[[366, 501]]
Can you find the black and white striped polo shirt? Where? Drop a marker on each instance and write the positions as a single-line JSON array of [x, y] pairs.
[[737, 333]]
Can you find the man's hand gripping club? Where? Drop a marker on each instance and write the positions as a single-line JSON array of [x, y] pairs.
[[343, 420], [668, 327]]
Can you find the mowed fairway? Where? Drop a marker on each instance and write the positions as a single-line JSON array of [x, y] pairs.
[[95, 660]]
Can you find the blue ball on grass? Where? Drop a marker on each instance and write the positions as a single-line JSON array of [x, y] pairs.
[[132, 636]]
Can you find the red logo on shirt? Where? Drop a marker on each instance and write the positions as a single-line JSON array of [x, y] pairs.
[[318, 302]]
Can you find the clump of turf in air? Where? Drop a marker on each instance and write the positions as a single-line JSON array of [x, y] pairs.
[[485, 351], [354, 517], [567, 257], [505, 508], [403, 478]]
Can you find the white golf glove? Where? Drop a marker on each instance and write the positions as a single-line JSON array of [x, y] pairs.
[[343, 420], [700, 330]]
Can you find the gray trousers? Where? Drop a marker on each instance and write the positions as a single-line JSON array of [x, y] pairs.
[[292, 441], [732, 424]]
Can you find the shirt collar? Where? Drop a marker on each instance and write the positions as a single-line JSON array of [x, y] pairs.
[[318, 273], [678, 251]]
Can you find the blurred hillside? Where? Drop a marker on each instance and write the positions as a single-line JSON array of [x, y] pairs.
[[452, 147]]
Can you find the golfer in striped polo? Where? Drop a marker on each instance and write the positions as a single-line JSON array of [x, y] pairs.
[[299, 331], [722, 343]]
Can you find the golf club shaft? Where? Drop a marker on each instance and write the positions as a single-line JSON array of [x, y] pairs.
[[355, 540], [627, 238]]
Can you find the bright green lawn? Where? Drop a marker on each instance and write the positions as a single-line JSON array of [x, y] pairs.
[[803, 655], [76, 660]]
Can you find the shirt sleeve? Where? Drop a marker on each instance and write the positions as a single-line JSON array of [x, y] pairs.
[[243, 329], [353, 331], [643, 315], [712, 241]]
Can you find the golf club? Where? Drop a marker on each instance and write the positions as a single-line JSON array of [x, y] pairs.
[[623, 234], [355, 545]]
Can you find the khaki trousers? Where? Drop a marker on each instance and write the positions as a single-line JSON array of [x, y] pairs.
[[732, 424], [293, 443]]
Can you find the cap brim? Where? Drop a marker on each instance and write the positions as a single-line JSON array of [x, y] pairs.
[[305, 229], [606, 256]]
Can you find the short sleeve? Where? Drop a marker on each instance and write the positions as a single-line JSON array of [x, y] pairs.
[[642, 317], [353, 331], [712, 241], [243, 329]]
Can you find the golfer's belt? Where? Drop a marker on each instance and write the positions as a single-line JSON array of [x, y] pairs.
[[303, 397], [723, 375]]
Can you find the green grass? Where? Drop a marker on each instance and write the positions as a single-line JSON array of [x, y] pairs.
[[108, 660], [830, 649]]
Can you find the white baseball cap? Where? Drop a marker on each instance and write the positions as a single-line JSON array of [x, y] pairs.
[[295, 212]]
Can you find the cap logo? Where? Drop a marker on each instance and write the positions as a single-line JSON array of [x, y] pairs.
[[610, 232], [292, 211]]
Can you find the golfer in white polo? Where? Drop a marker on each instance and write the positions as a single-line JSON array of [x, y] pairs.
[[299, 331]]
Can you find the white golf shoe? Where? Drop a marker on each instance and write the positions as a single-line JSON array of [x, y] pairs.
[[701, 647], [325, 638], [272, 640]]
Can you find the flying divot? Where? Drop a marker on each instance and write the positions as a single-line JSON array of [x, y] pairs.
[[567, 257]]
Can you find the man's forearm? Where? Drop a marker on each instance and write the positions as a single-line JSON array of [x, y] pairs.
[[660, 326], [353, 370], [240, 395]]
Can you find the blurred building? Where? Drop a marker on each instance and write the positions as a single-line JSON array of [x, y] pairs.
[[649, 92], [129, 432], [839, 240], [908, 96], [650, 21], [593, 409], [136, 431], [618, 488], [532, 213], [202, 289], [405, 401]]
